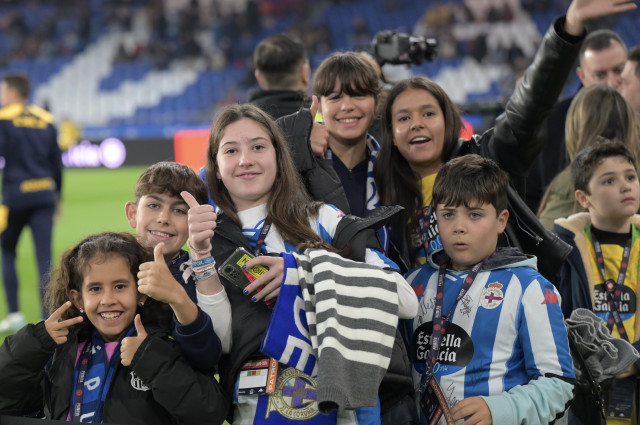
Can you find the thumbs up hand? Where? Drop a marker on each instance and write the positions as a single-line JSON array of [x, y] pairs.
[[319, 137], [156, 281], [202, 223], [130, 345]]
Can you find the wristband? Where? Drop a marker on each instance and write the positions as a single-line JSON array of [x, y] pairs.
[[202, 262], [204, 268], [200, 276]]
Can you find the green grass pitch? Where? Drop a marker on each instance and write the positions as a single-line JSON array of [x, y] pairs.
[[92, 201]]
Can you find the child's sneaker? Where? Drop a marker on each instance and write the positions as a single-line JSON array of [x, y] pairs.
[[12, 323]]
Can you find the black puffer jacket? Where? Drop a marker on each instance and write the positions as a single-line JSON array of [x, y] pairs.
[[37, 378]]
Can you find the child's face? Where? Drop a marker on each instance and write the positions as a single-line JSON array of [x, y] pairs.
[[159, 217], [418, 126], [109, 296], [347, 118], [469, 235], [247, 163], [615, 194]]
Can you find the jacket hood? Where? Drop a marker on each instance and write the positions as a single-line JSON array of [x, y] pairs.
[[505, 257], [573, 227]]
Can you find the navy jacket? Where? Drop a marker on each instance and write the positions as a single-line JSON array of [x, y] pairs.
[[32, 174], [198, 340]]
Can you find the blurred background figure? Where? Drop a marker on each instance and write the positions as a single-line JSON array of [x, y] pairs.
[[31, 183], [68, 134], [601, 60], [629, 86], [596, 111], [283, 73]]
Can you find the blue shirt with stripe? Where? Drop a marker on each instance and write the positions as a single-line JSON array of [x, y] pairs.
[[506, 331]]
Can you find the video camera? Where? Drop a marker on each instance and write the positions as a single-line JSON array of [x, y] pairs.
[[401, 48]]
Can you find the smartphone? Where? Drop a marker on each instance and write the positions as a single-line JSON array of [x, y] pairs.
[[231, 269]]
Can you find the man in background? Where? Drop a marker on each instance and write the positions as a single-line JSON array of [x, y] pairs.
[[630, 86], [602, 57], [31, 183], [282, 70]]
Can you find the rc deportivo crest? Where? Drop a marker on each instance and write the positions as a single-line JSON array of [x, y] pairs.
[[137, 383], [295, 396], [491, 296]]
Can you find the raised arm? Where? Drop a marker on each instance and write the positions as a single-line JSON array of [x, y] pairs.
[[212, 298], [514, 144]]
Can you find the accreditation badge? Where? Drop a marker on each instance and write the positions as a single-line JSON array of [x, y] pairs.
[[258, 376]]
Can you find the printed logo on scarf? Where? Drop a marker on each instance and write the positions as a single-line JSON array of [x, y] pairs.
[[295, 396]]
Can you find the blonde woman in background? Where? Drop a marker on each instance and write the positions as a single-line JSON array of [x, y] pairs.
[[596, 110]]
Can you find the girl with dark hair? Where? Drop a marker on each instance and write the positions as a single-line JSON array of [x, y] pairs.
[[347, 87], [420, 127], [263, 207], [93, 359]]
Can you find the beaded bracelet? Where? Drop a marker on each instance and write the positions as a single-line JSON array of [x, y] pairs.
[[199, 252]]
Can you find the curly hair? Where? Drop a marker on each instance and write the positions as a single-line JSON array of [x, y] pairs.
[[74, 262]]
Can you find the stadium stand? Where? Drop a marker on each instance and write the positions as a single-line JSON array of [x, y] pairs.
[[146, 68]]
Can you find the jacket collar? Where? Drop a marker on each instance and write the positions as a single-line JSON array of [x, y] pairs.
[[575, 224]]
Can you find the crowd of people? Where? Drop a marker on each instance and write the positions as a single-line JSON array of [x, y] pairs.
[[224, 33], [352, 259]]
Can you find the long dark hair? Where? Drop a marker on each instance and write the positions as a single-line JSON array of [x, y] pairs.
[[396, 182], [289, 206]]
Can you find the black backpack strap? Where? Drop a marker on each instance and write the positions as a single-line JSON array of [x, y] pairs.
[[354, 234]]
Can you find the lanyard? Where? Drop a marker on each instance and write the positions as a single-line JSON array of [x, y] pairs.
[[613, 289], [424, 220], [262, 236], [440, 322]]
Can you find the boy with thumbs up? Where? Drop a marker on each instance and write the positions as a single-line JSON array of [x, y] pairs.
[[160, 216]]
